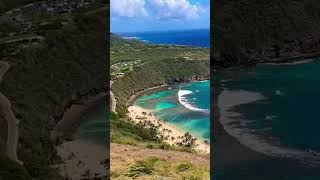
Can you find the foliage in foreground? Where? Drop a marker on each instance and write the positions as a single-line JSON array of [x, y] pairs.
[[154, 167]]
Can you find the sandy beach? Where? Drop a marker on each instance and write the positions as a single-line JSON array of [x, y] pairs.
[[72, 116], [236, 126], [234, 160], [134, 96], [138, 114], [82, 159]]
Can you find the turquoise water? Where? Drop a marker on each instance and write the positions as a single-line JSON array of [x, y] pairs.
[[94, 126], [291, 104], [186, 106], [288, 115]]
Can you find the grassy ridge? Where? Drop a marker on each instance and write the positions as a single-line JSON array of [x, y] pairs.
[[45, 77], [153, 167]]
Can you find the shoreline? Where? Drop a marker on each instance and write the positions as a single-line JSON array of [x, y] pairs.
[[139, 114], [71, 118], [134, 111], [78, 161], [300, 59], [136, 95], [235, 160], [236, 126], [133, 97]]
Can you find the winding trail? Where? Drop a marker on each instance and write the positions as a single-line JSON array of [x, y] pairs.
[[113, 99], [7, 114]]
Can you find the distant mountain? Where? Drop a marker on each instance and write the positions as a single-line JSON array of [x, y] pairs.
[[116, 40]]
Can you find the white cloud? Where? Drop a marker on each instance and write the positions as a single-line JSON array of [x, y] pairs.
[[128, 8], [174, 9]]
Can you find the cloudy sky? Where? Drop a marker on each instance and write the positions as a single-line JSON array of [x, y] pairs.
[[158, 15]]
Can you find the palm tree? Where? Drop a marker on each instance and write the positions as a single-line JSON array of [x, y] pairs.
[[207, 143]]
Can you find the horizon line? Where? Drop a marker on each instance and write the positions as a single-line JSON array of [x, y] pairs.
[[159, 30]]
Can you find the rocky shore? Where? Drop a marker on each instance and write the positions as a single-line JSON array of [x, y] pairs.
[[288, 51]]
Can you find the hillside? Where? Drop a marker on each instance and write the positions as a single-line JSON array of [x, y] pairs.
[[44, 78], [249, 31], [9, 4], [143, 66], [156, 65]]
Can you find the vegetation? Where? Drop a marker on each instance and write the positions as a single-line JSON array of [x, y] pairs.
[[11, 170], [9, 4], [45, 77], [153, 167], [159, 65], [244, 25], [123, 131]]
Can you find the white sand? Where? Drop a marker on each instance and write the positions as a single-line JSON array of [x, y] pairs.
[[236, 126], [137, 115], [81, 156]]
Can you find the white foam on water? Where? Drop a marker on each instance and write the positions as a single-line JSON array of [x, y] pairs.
[[279, 93], [130, 37], [183, 100]]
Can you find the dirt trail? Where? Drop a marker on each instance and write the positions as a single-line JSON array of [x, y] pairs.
[[8, 115], [113, 99], [123, 155]]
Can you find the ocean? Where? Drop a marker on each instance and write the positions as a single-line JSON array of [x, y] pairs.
[[199, 37], [185, 105], [94, 124], [287, 115]]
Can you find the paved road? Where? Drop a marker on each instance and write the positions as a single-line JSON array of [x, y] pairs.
[[7, 113]]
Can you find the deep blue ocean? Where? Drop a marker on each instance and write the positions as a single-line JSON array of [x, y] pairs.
[[186, 106], [199, 37]]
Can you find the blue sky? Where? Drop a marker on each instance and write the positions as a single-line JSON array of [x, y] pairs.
[[159, 15]]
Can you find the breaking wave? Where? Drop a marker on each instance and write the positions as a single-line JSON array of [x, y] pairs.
[[183, 100]]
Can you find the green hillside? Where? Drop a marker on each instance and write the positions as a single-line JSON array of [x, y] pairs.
[[158, 64], [9, 4], [146, 65], [44, 78], [244, 25]]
